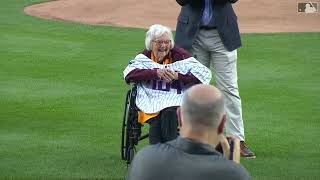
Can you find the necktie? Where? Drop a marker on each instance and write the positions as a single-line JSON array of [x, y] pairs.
[[207, 12]]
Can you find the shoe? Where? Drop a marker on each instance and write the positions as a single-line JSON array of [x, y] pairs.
[[245, 151]]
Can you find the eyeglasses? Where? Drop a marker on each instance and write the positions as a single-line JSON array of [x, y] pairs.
[[160, 42]]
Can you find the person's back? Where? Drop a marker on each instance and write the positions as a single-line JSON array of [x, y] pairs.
[[193, 155], [186, 159]]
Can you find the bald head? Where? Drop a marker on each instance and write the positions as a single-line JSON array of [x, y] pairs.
[[202, 106]]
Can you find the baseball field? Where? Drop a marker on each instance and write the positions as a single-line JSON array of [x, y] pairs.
[[62, 94]]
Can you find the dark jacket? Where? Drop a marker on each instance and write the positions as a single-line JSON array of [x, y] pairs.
[[176, 54], [188, 23], [184, 159]]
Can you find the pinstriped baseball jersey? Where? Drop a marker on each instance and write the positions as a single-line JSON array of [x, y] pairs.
[[155, 95]]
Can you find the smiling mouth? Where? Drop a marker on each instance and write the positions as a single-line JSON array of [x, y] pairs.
[[161, 54], [163, 50]]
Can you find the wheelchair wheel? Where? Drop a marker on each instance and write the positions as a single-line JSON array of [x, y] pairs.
[[131, 128], [125, 126], [130, 154]]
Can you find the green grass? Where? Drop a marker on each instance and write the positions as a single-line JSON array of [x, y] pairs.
[[62, 94], [279, 82]]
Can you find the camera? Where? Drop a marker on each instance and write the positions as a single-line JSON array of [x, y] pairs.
[[231, 144]]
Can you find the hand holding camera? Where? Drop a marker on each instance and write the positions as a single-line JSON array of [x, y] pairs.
[[230, 147]]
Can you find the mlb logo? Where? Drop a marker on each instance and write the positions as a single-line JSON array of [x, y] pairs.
[[309, 7]]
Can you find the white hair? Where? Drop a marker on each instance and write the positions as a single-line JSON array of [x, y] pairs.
[[156, 31]]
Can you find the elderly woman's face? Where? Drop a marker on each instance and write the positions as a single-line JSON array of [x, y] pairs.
[[161, 46]]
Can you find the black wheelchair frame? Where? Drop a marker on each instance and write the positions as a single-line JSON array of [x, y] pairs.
[[131, 128]]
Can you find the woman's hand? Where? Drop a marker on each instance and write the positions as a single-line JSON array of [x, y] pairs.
[[167, 75]]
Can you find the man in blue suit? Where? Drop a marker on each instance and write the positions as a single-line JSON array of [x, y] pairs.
[[209, 30]]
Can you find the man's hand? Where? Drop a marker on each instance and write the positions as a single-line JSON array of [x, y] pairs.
[[226, 147]]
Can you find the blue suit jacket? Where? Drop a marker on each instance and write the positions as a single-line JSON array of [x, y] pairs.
[[189, 22]]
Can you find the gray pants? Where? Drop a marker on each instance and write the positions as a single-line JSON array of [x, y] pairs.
[[208, 49]]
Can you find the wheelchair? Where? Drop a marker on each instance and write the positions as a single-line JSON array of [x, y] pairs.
[[131, 128]]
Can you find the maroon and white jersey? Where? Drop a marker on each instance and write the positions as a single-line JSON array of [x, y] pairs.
[[155, 95]]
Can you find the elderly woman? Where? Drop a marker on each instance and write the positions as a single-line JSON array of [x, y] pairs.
[[162, 73]]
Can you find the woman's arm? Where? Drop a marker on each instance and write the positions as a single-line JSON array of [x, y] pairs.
[[139, 75]]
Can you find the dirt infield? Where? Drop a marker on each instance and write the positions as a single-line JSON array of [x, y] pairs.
[[253, 16]]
